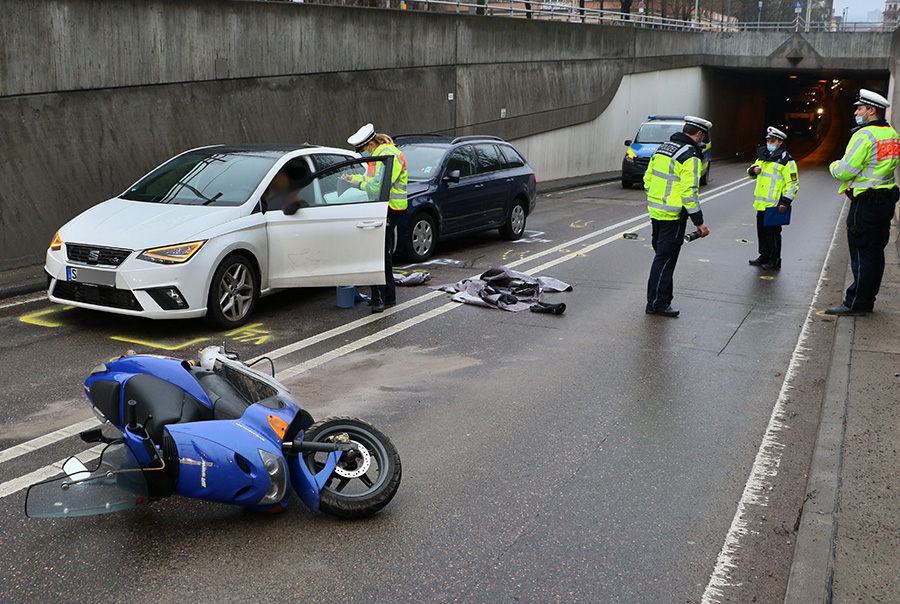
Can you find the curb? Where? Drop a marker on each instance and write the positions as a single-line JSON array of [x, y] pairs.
[[812, 569]]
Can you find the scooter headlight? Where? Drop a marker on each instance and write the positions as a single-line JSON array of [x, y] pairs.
[[277, 472]]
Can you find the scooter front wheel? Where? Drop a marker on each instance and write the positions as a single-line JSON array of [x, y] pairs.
[[364, 480]]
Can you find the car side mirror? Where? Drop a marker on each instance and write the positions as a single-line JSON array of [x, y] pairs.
[[628, 142], [452, 176]]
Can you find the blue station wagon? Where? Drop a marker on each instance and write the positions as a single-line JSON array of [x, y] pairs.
[[461, 185]]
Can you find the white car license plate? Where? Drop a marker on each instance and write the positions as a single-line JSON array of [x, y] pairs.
[[90, 276]]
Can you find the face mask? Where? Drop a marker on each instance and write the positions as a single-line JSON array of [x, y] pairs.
[[860, 121], [365, 154], [771, 147]]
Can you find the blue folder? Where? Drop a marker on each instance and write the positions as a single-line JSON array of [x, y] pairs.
[[773, 217]]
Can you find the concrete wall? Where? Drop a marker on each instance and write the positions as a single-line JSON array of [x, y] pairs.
[[95, 93]]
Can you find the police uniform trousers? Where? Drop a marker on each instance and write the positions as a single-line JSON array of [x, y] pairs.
[[868, 231], [667, 239], [387, 293], [769, 238]]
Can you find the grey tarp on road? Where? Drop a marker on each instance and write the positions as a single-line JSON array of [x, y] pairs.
[[503, 288]]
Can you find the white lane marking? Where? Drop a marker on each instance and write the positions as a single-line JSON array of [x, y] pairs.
[[768, 458], [23, 482], [389, 331], [47, 439], [29, 300]]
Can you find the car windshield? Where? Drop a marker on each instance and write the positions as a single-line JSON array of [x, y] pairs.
[[656, 133], [203, 177], [422, 161]]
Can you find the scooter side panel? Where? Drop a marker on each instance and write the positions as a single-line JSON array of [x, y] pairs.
[[231, 473]]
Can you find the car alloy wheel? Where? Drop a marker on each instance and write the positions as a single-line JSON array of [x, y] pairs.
[[233, 292]]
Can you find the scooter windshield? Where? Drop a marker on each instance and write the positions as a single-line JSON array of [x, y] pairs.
[[117, 483]]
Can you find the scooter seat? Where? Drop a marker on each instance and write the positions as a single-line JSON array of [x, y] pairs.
[[160, 403], [227, 402]]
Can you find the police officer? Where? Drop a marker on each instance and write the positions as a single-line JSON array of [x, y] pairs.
[[367, 142], [866, 173], [777, 184], [672, 182]]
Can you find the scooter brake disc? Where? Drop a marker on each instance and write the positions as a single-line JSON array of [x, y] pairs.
[[362, 460]]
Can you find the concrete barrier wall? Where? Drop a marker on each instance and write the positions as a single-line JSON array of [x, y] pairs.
[[95, 93]]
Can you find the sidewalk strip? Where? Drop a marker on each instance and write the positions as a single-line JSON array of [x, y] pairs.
[[768, 458]]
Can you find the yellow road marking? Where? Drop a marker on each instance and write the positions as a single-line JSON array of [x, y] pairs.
[[157, 344], [34, 318]]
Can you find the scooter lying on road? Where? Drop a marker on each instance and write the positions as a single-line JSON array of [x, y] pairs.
[[218, 430]]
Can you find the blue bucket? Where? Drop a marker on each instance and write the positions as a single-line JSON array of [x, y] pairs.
[[346, 296]]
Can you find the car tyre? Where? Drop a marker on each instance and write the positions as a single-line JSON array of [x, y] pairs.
[[233, 292], [515, 222], [626, 184], [421, 238]]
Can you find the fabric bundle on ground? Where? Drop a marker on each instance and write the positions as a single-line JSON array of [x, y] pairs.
[[506, 289]]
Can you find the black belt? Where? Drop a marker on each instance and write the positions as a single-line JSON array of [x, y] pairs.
[[876, 197]]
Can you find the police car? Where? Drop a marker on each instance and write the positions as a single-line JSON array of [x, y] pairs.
[[655, 131]]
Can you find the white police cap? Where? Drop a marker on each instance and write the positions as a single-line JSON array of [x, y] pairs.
[[772, 132], [698, 122], [362, 137], [867, 97]]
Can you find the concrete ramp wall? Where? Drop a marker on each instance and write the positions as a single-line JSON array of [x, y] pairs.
[[95, 93]]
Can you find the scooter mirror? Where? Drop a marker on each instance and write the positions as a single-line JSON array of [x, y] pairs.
[[76, 470]]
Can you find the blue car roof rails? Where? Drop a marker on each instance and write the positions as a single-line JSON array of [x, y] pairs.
[[665, 117], [419, 135], [473, 137]]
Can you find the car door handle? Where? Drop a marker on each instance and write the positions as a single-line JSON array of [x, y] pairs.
[[479, 186], [510, 180], [369, 224]]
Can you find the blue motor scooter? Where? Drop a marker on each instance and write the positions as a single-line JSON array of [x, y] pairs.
[[219, 430]]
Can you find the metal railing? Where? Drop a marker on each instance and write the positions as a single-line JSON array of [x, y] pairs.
[[571, 12]]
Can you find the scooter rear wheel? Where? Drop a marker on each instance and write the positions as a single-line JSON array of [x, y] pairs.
[[364, 481]]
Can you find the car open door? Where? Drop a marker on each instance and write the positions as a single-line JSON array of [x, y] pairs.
[[330, 230]]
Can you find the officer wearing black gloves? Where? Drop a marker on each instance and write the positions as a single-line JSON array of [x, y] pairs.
[[672, 182]]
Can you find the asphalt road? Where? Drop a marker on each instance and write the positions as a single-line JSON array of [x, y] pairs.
[[599, 456]]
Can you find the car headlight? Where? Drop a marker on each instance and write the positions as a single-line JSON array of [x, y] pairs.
[[172, 254], [274, 465], [56, 242]]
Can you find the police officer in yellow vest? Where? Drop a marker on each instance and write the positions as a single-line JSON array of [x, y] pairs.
[[866, 173], [777, 184], [367, 142], [672, 182]]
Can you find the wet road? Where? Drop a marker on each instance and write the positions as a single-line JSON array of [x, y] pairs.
[[597, 456]]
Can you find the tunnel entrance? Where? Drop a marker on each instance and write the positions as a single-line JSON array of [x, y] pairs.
[[813, 108]]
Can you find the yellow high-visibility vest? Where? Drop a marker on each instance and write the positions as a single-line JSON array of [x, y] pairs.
[[870, 160], [672, 181]]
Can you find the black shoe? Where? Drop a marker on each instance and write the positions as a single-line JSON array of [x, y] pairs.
[[771, 266], [668, 311], [755, 262], [846, 311], [553, 309], [378, 307], [391, 303]]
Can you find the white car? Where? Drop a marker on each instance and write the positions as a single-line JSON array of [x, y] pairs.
[[212, 229]]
